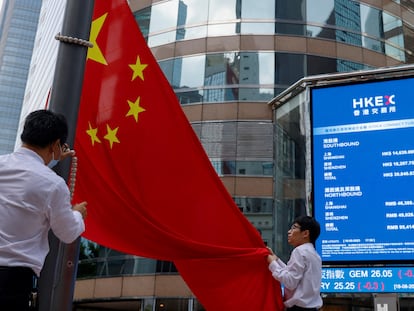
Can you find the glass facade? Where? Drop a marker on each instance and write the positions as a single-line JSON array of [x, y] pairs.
[[291, 143], [18, 25], [97, 261], [244, 76], [353, 22]]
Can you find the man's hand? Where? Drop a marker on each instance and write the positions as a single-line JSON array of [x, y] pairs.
[[271, 256], [66, 152], [81, 208]]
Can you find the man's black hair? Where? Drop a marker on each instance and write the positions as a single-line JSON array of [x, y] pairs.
[[309, 223], [43, 127]]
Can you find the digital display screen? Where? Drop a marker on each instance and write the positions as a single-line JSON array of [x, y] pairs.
[[367, 280], [363, 170]]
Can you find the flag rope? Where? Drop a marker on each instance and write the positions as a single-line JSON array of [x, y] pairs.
[[68, 39], [72, 177]]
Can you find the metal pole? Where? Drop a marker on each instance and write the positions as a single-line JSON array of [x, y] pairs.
[[57, 279]]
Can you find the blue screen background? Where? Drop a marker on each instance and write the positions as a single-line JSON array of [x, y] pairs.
[[370, 154]]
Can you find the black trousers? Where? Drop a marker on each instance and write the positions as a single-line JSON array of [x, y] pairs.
[[296, 308], [16, 288]]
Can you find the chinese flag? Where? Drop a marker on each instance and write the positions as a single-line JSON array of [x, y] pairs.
[[150, 187]]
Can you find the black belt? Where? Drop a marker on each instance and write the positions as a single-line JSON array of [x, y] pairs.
[[297, 308], [16, 271], [13, 276], [18, 268]]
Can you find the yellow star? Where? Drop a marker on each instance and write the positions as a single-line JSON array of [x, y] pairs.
[[137, 69], [93, 133], [111, 135], [134, 109], [95, 53]]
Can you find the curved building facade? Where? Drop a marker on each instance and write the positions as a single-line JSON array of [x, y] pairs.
[[226, 60]]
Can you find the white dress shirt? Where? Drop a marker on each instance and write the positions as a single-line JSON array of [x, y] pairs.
[[301, 277], [33, 199]]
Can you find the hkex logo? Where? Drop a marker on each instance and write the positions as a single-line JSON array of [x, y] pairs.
[[379, 104], [373, 101]]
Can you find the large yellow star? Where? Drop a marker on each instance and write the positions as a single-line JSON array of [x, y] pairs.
[[93, 133], [134, 109], [111, 135], [137, 69], [95, 53]]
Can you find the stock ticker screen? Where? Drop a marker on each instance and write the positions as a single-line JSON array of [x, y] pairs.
[[363, 171]]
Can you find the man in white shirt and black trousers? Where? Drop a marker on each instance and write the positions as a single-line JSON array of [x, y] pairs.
[[34, 199], [302, 275]]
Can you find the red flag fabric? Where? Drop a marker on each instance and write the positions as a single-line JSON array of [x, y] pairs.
[[150, 187]]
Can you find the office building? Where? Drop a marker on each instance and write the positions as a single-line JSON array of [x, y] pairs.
[[18, 25], [43, 58]]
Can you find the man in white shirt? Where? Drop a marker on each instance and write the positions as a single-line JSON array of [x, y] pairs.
[[301, 276], [33, 199]]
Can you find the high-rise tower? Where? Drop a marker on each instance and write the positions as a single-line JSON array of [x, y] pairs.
[[18, 25]]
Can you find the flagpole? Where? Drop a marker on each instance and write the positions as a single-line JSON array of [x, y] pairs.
[[57, 279]]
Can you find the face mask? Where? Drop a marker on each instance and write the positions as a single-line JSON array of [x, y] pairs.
[[53, 162]]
